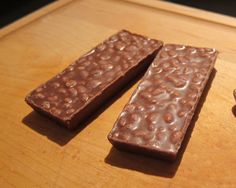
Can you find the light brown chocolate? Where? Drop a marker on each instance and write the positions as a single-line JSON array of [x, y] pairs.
[[74, 94], [156, 118]]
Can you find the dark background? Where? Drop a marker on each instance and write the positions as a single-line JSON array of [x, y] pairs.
[[11, 10], [227, 7]]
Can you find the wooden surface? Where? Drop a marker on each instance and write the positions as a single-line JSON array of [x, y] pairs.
[[35, 152]]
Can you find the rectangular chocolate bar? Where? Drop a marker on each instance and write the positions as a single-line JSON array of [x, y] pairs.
[[72, 95], [155, 120]]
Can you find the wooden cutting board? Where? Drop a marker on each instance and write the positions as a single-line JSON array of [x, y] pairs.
[[35, 152]]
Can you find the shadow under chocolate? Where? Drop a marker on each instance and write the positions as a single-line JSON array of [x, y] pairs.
[[234, 110], [151, 165], [61, 135]]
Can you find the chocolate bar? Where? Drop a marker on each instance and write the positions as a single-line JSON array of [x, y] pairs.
[[71, 96], [155, 120]]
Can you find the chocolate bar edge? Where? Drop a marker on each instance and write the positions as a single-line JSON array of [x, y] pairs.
[[142, 150]]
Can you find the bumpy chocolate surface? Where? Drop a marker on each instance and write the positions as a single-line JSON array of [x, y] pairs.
[[159, 112], [103, 69]]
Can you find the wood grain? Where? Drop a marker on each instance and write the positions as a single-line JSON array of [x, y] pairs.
[[35, 152]]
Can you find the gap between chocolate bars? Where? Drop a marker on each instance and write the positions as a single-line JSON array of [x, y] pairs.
[[155, 120]]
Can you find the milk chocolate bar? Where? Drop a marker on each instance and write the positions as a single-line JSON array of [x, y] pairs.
[[71, 96], [155, 120]]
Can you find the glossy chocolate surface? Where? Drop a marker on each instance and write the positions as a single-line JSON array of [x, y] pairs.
[[159, 112], [73, 94]]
